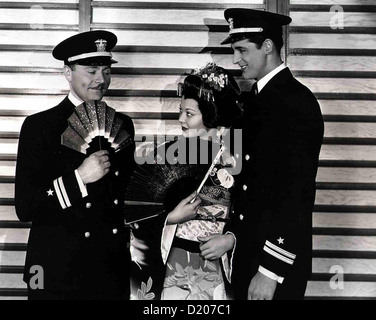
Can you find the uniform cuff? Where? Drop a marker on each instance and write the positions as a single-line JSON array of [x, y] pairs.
[[270, 274], [81, 184]]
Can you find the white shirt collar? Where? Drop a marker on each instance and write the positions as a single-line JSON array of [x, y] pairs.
[[76, 102], [264, 80]]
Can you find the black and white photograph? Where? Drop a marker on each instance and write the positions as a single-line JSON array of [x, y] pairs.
[[165, 150]]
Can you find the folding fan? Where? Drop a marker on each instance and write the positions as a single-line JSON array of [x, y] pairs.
[[155, 188], [93, 127]]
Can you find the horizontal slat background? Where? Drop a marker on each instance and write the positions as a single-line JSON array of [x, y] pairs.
[[338, 65], [322, 19], [158, 42], [28, 32], [36, 14], [332, 2], [32, 2]]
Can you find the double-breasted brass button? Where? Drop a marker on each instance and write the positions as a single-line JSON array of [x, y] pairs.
[[116, 201], [87, 234], [245, 187], [241, 217], [88, 205], [247, 157], [114, 231], [116, 173]]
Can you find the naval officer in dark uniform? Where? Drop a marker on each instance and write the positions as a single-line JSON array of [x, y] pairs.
[[77, 246], [282, 130]]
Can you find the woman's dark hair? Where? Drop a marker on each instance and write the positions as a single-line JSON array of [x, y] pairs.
[[217, 101]]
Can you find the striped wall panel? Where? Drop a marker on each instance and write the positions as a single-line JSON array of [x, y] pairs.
[[28, 32], [159, 41], [338, 64]]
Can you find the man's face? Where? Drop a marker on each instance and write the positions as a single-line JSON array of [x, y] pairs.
[[251, 60], [88, 82]]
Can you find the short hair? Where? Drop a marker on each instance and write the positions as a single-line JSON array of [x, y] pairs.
[[72, 66], [259, 40]]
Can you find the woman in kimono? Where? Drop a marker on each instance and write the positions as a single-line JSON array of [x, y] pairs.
[[185, 253], [196, 250]]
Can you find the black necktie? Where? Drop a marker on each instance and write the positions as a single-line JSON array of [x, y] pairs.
[[254, 90]]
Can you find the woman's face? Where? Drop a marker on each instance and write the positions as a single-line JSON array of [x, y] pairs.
[[190, 118]]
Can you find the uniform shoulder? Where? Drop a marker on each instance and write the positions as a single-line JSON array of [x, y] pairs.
[[46, 116], [290, 84], [296, 92], [124, 117]]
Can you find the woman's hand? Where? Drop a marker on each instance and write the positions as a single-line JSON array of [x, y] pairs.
[[227, 160], [185, 210], [215, 246]]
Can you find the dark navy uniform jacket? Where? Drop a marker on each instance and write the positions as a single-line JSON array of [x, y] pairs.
[[275, 191], [80, 242]]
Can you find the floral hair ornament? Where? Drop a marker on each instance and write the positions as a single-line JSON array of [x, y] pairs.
[[212, 77], [206, 94]]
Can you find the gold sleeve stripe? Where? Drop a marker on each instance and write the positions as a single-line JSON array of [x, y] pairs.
[[280, 250], [278, 256], [64, 192], [59, 196]]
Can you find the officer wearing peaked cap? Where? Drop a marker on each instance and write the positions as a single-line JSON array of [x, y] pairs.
[[245, 23], [87, 48], [282, 129], [74, 200]]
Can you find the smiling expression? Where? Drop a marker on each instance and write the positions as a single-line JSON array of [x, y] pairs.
[[250, 59], [88, 82]]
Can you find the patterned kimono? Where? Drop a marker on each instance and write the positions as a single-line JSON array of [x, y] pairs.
[[188, 275], [167, 268]]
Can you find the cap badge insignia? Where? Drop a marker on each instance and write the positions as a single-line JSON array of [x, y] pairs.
[[231, 22], [101, 45]]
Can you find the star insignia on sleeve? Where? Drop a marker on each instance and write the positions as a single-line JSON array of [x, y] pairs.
[[280, 240], [50, 192]]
